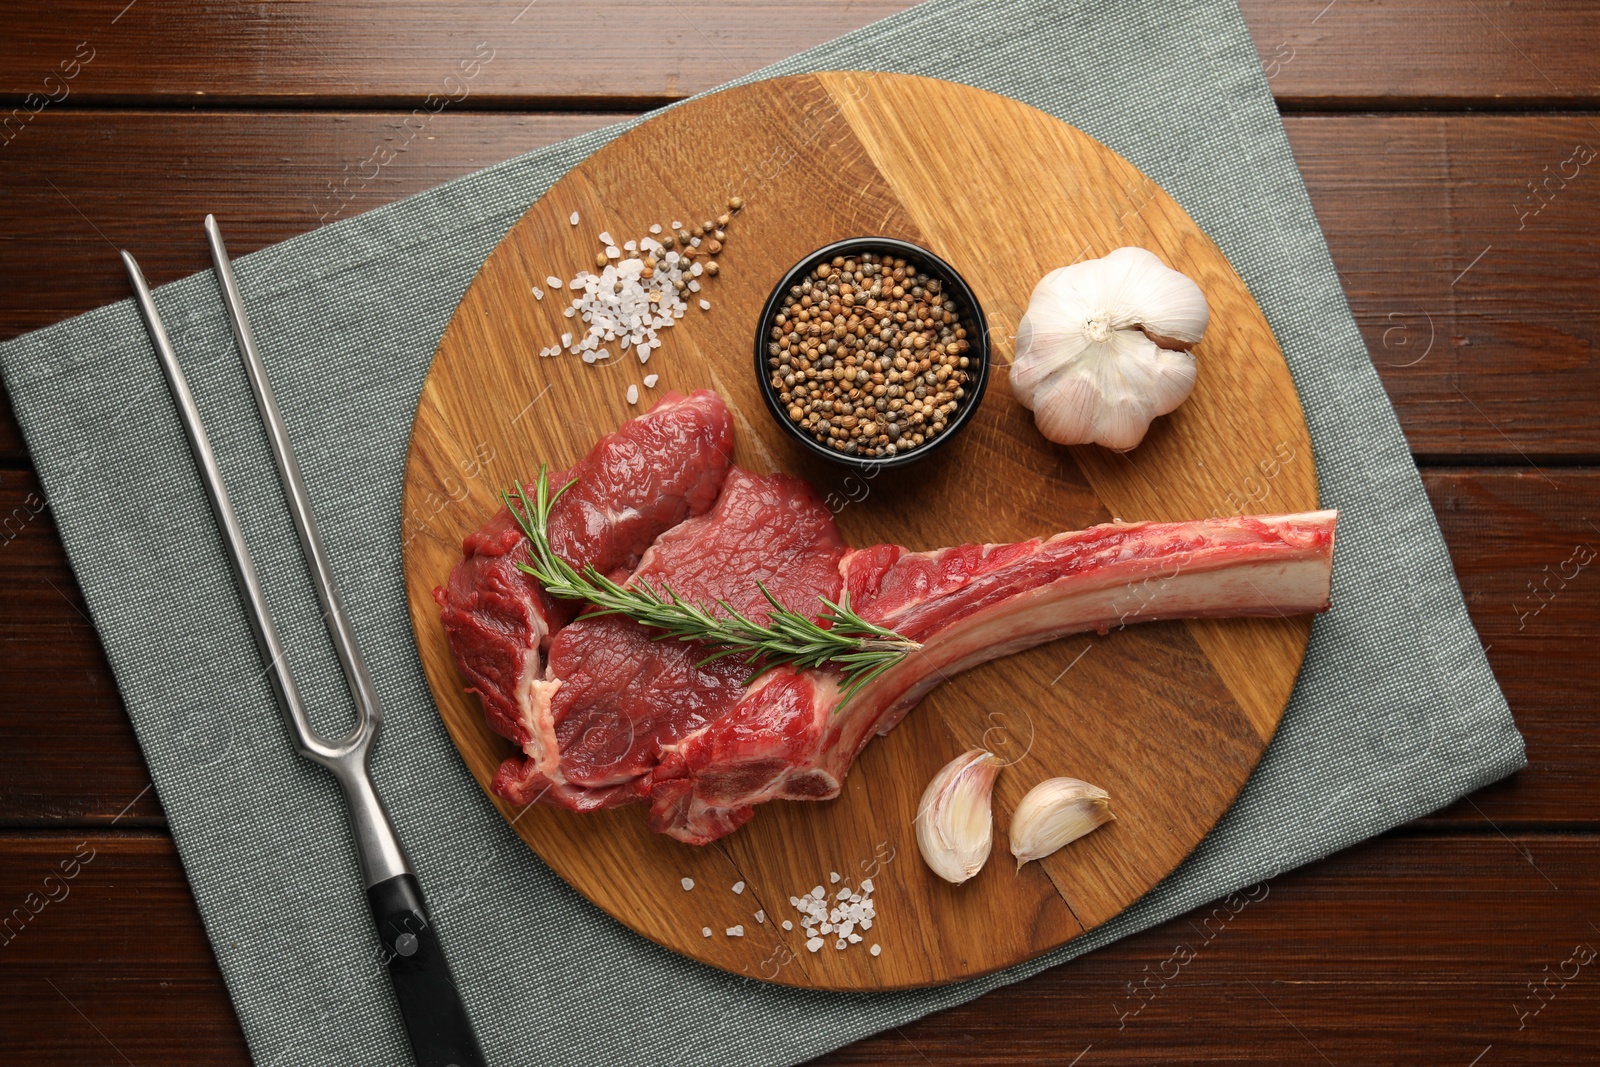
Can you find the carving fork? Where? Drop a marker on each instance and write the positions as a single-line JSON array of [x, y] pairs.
[[436, 1020]]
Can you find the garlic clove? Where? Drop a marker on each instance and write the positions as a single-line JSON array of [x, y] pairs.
[[1153, 381], [1110, 396], [1150, 295], [1068, 407], [955, 828], [1056, 812]]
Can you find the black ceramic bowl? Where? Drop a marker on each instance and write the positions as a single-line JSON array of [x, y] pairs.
[[967, 311]]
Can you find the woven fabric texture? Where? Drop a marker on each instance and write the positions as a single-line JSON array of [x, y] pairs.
[[1395, 714]]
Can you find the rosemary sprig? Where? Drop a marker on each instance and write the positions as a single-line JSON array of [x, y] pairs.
[[858, 649]]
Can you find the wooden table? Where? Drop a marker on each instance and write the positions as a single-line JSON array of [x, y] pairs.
[[1441, 144]]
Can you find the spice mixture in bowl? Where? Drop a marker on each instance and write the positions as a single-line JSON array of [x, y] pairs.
[[872, 352]]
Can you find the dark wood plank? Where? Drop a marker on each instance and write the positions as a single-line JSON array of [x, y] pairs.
[[632, 53], [266, 175], [1507, 530], [1390, 54], [1489, 359], [1527, 549], [1475, 298], [13, 452], [1401, 950], [103, 959]]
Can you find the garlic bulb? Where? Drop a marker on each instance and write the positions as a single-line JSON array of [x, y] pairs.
[[1100, 349], [954, 827], [1055, 813]]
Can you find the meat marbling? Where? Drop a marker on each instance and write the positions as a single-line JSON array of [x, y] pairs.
[[613, 716]]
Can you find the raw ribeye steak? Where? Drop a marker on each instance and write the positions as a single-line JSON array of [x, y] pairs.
[[606, 714]]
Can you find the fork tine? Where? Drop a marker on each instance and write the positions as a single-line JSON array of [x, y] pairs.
[[369, 715], [266, 633]]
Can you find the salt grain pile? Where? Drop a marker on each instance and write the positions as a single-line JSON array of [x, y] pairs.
[[852, 910], [638, 290]]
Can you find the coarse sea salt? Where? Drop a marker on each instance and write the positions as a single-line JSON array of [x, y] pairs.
[[619, 302], [573, 218], [761, 916], [538, 293], [633, 394], [650, 380], [705, 931], [842, 916], [735, 931], [687, 883], [639, 288], [738, 887]]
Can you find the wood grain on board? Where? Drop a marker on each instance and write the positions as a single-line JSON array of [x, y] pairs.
[[1315, 53], [1487, 365], [839, 156]]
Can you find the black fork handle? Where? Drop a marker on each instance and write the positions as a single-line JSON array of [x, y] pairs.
[[436, 1020]]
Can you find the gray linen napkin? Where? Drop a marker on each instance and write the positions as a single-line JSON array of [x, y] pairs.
[[1396, 705]]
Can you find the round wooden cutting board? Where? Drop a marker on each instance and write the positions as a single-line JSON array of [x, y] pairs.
[[1169, 717]]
